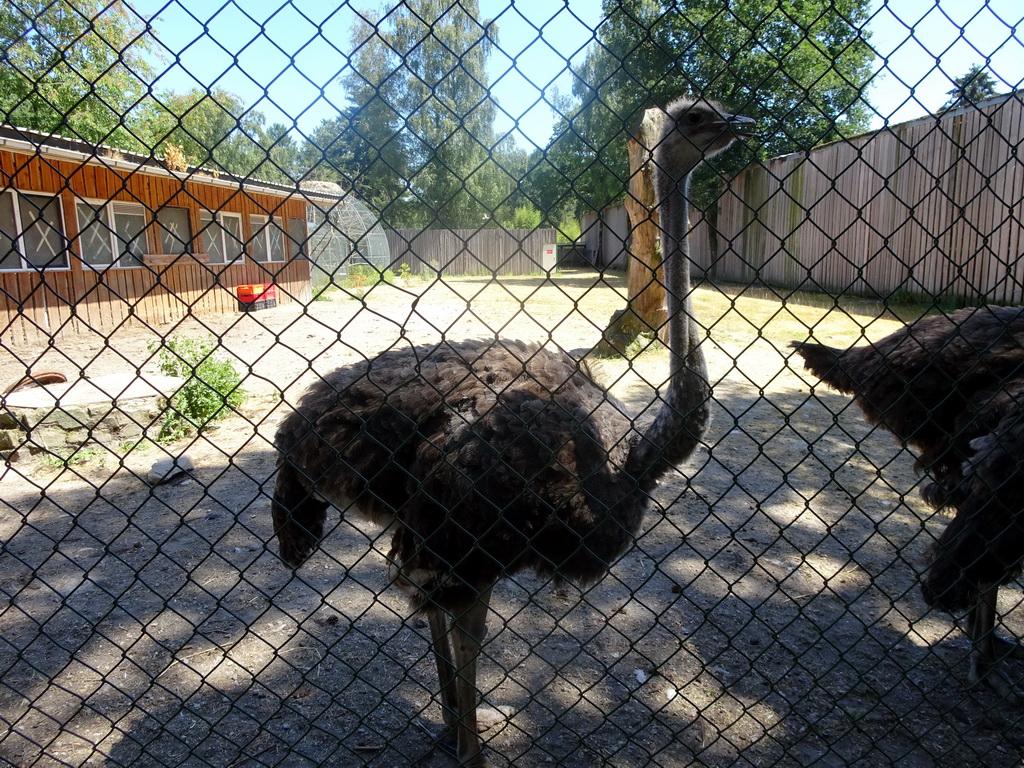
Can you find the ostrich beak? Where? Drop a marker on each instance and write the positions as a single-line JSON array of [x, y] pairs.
[[740, 125]]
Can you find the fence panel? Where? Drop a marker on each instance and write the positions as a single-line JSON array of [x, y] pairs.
[[488, 251], [927, 207]]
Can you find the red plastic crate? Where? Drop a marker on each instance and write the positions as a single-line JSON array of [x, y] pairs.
[[256, 296]]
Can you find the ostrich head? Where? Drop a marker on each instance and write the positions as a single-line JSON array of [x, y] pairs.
[[693, 131]]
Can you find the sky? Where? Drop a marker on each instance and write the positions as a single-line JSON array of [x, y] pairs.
[[286, 58]]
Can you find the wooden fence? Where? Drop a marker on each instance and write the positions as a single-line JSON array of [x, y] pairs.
[[472, 251], [606, 237], [932, 206]]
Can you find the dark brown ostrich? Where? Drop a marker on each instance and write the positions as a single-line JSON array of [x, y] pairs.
[[493, 457], [952, 388]]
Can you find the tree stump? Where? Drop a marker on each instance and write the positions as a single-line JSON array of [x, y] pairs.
[[645, 313]]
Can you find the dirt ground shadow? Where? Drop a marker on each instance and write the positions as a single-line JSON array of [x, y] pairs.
[[769, 613]]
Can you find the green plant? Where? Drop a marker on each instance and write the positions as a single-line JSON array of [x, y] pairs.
[[525, 217], [212, 386], [569, 230], [77, 456], [324, 293], [133, 446], [362, 277], [404, 272]]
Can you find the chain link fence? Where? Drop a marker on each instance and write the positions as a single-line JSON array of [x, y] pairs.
[[168, 175]]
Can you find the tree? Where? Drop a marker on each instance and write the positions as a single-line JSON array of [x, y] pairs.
[[646, 310], [364, 148], [799, 66], [971, 88], [420, 132], [75, 67], [282, 156], [215, 129], [522, 217]]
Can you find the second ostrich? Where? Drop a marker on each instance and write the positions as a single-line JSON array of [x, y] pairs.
[[952, 388], [488, 458]]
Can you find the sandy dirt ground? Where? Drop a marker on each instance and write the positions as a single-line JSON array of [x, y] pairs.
[[768, 614]]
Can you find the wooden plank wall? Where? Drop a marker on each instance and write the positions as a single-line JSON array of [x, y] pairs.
[[470, 251], [934, 206], [37, 306], [606, 237]]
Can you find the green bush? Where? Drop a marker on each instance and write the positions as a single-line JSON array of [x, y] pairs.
[[362, 277], [366, 275], [569, 230], [211, 386]]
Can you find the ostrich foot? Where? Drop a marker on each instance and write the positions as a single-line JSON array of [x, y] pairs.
[[995, 679], [986, 668], [488, 719], [448, 742], [989, 651]]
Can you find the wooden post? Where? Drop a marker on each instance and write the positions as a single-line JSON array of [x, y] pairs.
[[645, 312]]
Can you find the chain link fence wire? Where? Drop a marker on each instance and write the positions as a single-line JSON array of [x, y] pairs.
[[170, 175]]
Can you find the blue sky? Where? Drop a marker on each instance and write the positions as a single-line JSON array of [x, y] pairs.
[[285, 59]]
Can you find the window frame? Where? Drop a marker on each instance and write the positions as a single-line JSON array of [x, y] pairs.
[[216, 218], [263, 233], [109, 212], [18, 242]]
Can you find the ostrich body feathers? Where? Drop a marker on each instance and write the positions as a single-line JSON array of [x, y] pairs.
[[485, 459], [952, 388], [493, 457]]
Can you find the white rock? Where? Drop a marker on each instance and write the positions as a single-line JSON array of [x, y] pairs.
[[166, 468]]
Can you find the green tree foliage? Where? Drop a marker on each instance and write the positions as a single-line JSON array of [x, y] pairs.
[[418, 142], [973, 87], [81, 68], [799, 66], [215, 129], [523, 217], [75, 67], [501, 180]]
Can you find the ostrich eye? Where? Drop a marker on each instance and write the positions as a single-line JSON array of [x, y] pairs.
[[694, 118]]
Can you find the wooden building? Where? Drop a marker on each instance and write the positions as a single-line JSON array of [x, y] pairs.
[[92, 238]]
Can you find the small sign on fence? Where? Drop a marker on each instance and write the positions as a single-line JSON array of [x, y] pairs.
[[550, 257]]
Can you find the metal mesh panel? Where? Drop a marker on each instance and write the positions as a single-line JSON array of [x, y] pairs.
[[208, 211]]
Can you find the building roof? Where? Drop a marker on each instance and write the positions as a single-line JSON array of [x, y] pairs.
[[26, 141]]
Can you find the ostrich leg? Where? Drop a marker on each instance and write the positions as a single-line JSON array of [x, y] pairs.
[[445, 669], [988, 650], [456, 648]]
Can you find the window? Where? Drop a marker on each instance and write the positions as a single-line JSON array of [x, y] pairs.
[[111, 234], [267, 239], [175, 230], [32, 232], [222, 236]]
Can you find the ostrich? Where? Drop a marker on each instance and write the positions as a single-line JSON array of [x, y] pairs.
[[952, 388], [488, 458]]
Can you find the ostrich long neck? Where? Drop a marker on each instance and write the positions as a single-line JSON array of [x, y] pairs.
[[685, 413]]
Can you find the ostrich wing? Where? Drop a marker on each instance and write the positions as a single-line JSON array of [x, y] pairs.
[[494, 457], [918, 381]]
